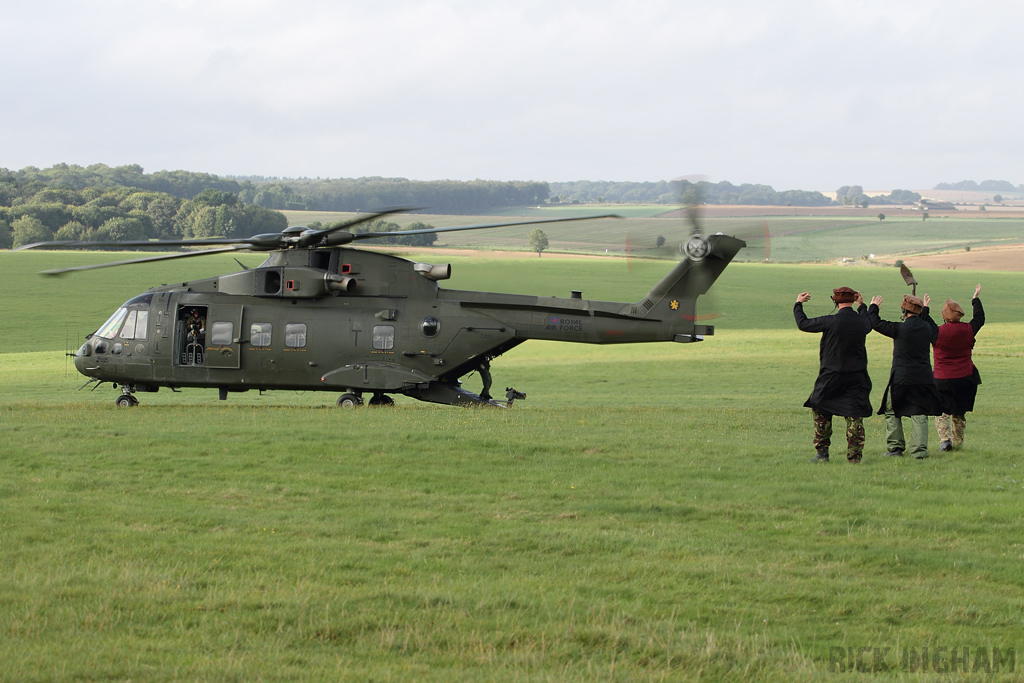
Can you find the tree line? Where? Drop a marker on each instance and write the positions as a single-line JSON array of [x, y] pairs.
[[370, 193], [104, 203], [366, 194], [983, 186], [32, 210], [853, 195], [182, 184], [683, 192]]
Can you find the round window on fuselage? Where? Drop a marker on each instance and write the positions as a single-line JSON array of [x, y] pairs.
[[431, 326]]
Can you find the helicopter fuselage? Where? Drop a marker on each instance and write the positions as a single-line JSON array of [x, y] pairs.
[[353, 321]]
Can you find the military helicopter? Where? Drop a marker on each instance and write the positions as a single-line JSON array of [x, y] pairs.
[[320, 315]]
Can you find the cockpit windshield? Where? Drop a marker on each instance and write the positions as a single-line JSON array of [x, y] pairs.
[[113, 324]]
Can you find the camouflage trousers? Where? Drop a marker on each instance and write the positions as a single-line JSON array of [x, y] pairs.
[[951, 428], [854, 435]]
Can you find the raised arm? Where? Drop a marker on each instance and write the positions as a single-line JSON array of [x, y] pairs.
[[933, 329], [979, 311], [889, 329], [804, 323]]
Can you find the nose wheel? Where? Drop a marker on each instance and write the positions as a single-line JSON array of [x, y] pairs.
[[126, 401], [127, 398]]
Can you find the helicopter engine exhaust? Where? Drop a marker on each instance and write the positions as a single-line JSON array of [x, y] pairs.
[[441, 272], [340, 283]]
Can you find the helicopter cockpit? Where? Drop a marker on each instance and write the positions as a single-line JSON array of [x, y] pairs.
[[130, 322]]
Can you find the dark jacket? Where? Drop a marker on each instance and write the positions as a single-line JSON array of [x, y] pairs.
[[843, 386], [911, 383]]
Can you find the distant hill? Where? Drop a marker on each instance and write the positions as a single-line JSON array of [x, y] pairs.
[[983, 186]]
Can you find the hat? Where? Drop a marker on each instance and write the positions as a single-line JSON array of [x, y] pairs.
[[952, 311], [844, 295], [912, 304]]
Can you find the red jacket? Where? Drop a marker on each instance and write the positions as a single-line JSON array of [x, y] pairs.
[[953, 351]]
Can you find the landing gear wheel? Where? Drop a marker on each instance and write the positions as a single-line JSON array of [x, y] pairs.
[[126, 401], [381, 400], [350, 401]]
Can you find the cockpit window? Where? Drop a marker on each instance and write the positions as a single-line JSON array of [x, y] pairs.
[[136, 324], [128, 331], [140, 327], [109, 328]]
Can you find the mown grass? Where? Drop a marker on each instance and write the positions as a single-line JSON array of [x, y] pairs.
[[646, 514]]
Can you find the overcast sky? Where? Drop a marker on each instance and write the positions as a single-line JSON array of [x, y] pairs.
[[807, 95]]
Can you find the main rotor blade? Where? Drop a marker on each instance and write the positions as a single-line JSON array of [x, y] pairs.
[[312, 238], [424, 231], [159, 257], [84, 244], [271, 241], [369, 217], [265, 242]]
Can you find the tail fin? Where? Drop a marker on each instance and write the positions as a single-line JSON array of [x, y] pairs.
[[706, 258]]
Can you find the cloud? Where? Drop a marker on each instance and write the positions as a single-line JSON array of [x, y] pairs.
[[793, 94]]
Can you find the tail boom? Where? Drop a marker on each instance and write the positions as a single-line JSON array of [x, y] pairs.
[[666, 313]]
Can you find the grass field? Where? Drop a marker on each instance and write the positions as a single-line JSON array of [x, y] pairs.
[[648, 513]]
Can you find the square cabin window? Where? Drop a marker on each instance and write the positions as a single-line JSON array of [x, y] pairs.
[[295, 335], [260, 334], [222, 333], [383, 337]]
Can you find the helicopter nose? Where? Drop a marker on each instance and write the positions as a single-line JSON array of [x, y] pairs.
[[84, 359]]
